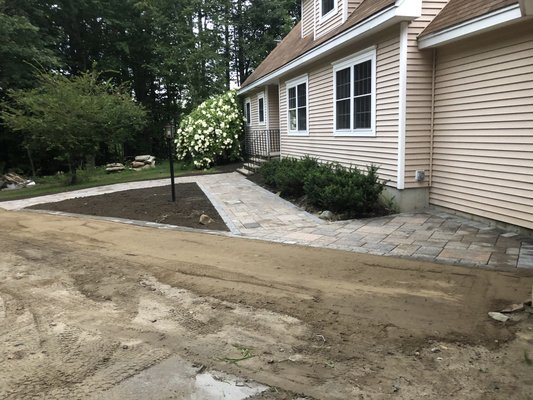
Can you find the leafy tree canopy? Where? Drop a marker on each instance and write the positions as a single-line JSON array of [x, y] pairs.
[[73, 116]]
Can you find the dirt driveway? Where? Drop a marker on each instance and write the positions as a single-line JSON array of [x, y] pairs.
[[87, 305]]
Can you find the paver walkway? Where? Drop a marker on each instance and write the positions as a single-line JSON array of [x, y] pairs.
[[253, 212]]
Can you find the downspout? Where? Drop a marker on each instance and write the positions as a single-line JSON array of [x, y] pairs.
[[432, 118]]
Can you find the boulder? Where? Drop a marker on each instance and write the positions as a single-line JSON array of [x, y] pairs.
[[143, 158], [205, 219], [137, 164], [115, 165], [499, 316], [327, 215]]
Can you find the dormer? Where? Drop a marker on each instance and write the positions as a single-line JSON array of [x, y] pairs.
[[321, 16]]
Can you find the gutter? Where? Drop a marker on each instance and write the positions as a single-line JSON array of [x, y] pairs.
[[490, 21], [404, 10]]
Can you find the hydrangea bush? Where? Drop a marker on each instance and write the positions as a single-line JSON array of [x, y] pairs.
[[211, 132]]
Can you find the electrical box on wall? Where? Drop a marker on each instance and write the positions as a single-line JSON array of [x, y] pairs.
[[420, 175]]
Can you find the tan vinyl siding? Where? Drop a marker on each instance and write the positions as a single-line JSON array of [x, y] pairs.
[[321, 28], [483, 143], [273, 107], [418, 105], [352, 5], [308, 17], [358, 151]]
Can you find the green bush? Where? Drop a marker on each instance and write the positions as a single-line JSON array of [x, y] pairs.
[[288, 174], [344, 190], [327, 186]]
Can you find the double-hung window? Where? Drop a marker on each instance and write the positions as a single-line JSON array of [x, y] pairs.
[[248, 111], [326, 7], [261, 109], [355, 94], [297, 106]]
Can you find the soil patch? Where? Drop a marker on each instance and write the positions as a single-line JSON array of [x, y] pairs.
[[151, 205]]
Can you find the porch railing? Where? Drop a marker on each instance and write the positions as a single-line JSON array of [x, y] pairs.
[[262, 143]]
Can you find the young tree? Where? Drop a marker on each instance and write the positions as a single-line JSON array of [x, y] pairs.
[[73, 115]]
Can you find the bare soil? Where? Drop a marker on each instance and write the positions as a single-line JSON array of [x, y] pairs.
[[85, 305], [152, 205]]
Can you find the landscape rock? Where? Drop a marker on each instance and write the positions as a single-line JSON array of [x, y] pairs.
[[143, 162], [327, 215], [205, 219], [14, 181], [513, 308], [115, 167], [137, 164], [498, 316]]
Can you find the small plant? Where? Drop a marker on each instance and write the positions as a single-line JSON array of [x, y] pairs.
[[246, 354], [527, 359], [212, 132]]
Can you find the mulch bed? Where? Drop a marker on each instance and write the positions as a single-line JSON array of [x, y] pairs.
[[151, 205]]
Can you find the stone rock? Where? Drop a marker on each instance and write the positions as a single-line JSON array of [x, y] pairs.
[[205, 219], [498, 316], [137, 164], [513, 308], [143, 158], [110, 170], [115, 165], [327, 215]]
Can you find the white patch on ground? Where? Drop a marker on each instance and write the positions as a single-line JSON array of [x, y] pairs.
[[175, 378]]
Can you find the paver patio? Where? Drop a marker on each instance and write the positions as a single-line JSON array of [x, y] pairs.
[[253, 212]]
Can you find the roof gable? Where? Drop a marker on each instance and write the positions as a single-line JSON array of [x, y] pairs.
[[294, 45], [459, 11]]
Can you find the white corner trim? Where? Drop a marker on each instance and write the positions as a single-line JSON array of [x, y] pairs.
[[402, 105], [381, 20], [480, 24], [302, 14], [344, 10], [526, 6]]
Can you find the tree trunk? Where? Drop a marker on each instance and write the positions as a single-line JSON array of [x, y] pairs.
[[33, 174]]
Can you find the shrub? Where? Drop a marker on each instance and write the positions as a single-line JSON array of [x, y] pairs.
[[211, 133], [327, 186], [344, 190], [288, 174]]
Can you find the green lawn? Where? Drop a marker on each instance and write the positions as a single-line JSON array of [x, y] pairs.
[[97, 177]]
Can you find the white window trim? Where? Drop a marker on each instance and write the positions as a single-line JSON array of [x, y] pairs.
[[360, 57], [330, 14], [294, 83], [246, 102], [259, 122]]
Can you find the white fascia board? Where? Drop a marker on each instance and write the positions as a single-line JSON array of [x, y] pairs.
[[377, 22], [484, 23]]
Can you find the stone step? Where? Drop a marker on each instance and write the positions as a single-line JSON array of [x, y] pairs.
[[244, 171]]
